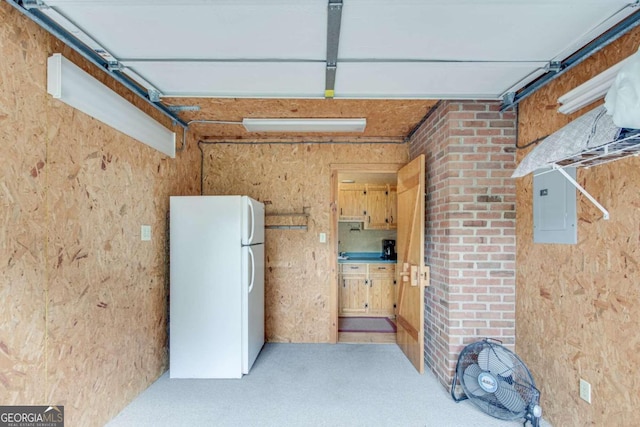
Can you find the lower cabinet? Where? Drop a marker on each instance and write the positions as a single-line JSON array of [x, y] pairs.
[[367, 289]]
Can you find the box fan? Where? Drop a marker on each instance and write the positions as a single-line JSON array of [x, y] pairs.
[[497, 381]]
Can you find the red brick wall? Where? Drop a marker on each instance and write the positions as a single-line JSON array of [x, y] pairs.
[[470, 228]]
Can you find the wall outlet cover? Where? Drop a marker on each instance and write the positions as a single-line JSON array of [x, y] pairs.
[[585, 391], [145, 233]]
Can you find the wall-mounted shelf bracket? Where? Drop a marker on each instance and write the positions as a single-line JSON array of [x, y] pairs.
[[287, 220], [605, 213]]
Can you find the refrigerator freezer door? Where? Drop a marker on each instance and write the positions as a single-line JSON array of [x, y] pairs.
[[205, 295], [252, 221], [252, 304]]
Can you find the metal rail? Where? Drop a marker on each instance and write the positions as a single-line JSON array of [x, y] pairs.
[[31, 11]]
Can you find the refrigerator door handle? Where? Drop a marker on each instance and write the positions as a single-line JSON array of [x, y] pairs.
[[253, 223], [253, 270]]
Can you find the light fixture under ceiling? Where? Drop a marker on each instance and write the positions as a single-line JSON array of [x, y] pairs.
[[304, 125], [589, 91], [73, 86]]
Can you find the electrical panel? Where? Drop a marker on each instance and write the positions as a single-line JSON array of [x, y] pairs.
[[554, 207]]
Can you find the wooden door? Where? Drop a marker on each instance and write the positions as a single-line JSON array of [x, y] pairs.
[[411, 271], [376, 207]]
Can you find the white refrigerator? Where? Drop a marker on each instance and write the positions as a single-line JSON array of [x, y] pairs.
[[216, 301]]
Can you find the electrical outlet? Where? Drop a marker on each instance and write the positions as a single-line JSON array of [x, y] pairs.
[[145, 233], [585, 391], [323, 237]]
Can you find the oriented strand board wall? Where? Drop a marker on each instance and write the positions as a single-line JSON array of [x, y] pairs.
[[578, 306], [289, 178], [84, 301]]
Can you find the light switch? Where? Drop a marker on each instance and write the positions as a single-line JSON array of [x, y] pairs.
[[323, 237], [145, 233]]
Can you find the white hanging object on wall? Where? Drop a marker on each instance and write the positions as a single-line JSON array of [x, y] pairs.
[[623, 99], [73, 86]]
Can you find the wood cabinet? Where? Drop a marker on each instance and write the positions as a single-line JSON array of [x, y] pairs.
[[367, 289], [375, 205], [353, 289], [381, 299], [392, 206], [352, 202]]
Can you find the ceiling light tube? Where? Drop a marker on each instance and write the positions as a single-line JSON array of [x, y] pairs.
[[73, 86], [304, 125], [589, 91]]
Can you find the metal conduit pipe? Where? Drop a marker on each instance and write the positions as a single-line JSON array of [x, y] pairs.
[[63, 35], [215, 122]]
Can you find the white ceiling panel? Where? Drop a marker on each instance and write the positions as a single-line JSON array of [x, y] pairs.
[[387, 48], [234, 79], [242, 29], [429, 80], [493, 30]]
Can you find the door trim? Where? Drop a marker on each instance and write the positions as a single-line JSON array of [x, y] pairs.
[[337, 168]]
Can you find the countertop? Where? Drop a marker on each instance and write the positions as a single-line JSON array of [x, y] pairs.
[[364, 257]]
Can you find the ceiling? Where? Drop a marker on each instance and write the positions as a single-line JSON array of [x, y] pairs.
[[284, 58]]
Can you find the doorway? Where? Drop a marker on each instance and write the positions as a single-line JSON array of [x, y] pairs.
[[363, 221]]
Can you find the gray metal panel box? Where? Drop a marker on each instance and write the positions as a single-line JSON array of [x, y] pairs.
[[554, 207]]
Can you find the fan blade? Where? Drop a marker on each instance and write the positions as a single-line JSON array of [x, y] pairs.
[[496, 360], [470, 380], [500, 362], [483, 359], [509, 397]]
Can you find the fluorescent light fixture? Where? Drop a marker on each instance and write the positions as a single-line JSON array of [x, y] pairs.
[[304, 125], [589, 91], [73, 86]]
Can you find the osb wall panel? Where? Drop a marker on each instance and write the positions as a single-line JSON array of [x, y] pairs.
[[388, 120], [289, 178], [85, 326], [22, 227], [578, 306]]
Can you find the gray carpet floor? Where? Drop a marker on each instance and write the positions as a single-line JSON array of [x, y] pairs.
[[309, 385]]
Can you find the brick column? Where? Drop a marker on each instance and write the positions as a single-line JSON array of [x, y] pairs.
[[470, 228]]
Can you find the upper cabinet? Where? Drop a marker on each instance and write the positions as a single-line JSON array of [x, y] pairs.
[[377, 218], [352, 202], [373, 204], [392, 206]]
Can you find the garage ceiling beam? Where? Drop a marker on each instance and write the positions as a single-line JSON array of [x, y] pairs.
[[333, 39]]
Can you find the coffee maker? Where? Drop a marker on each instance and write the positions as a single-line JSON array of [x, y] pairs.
[[389, 249]]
